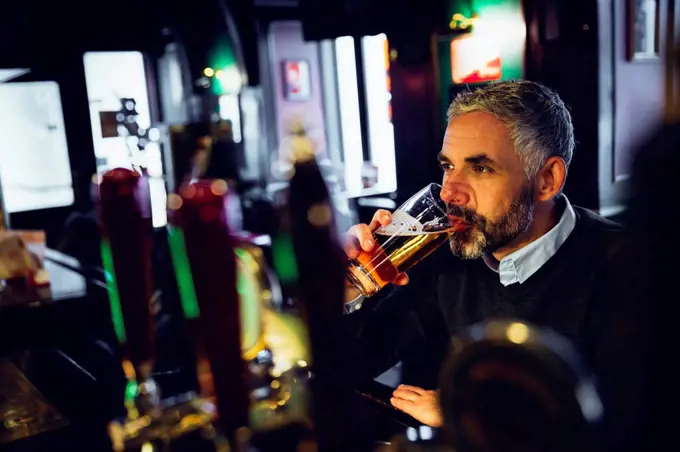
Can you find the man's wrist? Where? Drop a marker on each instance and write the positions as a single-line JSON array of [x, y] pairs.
[[354, 305]]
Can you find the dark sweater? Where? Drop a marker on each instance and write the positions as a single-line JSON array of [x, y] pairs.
[[584, 292], [413, 323]]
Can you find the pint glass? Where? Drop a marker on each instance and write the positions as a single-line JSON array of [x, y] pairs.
[[418, 228]]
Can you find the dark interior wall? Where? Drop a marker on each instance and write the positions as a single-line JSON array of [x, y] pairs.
[[418, 132], [562, 52], [580, 48], [638, 93], [286, 43], [635, 100]]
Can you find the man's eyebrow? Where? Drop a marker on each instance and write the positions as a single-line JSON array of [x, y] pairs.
[[481, 159], [478, 159]]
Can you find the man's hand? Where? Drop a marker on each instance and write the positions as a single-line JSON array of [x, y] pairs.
[[360, 238], [420, 403]]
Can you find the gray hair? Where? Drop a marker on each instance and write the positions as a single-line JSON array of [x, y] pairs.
[[539, 122]]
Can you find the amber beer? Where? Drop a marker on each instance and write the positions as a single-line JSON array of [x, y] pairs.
[[418, 227], [395, 253]]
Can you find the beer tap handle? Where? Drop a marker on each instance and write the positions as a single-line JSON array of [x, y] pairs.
[[320, 261], [124, 209], [200, 213], [321, 284]]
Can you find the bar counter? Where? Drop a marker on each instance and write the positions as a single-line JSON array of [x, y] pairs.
[[62, 340]]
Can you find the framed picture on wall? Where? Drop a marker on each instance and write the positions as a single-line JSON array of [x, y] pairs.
[[643, 30], [297, 83]]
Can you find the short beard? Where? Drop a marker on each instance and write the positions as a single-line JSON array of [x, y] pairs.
[[484, 236]]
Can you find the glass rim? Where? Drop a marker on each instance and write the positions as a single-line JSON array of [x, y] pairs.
[[428, 189]]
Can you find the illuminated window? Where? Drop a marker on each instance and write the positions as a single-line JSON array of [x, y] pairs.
[[111, 76], [348, 101], [229, 110], [375, 59], [378, 104], [34, 162]]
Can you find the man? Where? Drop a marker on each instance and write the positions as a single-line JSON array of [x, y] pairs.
[[526, 253]]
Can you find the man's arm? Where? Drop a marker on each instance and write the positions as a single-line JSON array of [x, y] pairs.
[[386, 326], [380, 328]]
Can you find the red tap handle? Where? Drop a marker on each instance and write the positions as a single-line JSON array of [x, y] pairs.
[[125, 213], [210, 250]]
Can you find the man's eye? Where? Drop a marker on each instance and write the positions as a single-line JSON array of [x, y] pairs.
[[445, 166], [481, 169]]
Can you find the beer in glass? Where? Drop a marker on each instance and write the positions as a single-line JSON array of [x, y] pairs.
[[417, 228]]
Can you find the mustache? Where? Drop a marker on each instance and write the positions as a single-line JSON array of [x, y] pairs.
[[468, 216]]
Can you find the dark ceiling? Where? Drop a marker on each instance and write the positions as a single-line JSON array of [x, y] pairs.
[[34, 33]]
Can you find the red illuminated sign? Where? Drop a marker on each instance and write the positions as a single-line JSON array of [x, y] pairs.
[[475, 60]]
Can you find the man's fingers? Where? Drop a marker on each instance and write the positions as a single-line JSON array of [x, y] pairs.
[[352, 246], [415, 389], [405, 394], [403, 405], [358, 238], [401, 280], [365, 236], [380, 218]]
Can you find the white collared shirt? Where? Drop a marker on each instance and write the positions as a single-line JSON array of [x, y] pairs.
[[517, 267]]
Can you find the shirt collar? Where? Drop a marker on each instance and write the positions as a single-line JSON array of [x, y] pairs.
[[520, 265]]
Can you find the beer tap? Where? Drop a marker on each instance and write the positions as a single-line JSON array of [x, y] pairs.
[[125, 214], [211, 303], [124, 210], [321, 285], [253, 348], [267, 405]]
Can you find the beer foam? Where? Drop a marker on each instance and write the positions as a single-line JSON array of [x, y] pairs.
[[402, 224], [407, 233]]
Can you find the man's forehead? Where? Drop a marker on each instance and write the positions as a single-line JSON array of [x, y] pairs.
[[477, 132], [476, 125]]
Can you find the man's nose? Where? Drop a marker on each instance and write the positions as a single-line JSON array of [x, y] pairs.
[[456, 194]]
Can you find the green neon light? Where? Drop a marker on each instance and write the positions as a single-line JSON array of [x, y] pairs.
[[185, 281], [246, 286], [131, 390], [112, 288], [284, 258], [222, 59]]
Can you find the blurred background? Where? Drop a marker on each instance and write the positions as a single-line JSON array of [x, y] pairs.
[[227, 89], [370, 80]]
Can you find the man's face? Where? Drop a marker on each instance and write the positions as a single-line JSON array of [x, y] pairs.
[[486, 185]]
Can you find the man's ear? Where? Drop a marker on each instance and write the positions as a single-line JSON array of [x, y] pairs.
[[551, 179]]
